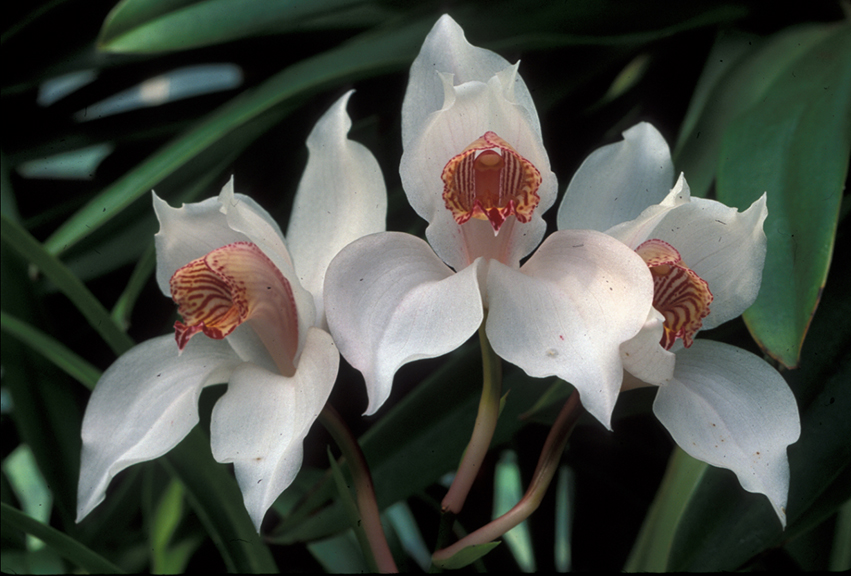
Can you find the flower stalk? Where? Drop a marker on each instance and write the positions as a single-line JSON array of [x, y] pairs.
[[544, 472], [367, 505], [483, 430]]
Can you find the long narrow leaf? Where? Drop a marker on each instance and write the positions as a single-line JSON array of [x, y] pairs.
[[362, 57], [52, 349], [140, 26], [216, 499], [63, 544], [795, 144], [99, 318]]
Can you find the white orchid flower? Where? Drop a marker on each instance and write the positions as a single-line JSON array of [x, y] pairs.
[[259, 306], [474, 166], [722, 405]]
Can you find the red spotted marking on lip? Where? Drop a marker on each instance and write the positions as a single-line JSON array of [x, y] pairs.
[[679, 293], [490, 181]]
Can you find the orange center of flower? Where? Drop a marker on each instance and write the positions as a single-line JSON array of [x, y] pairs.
[[234, 284], [489, 180], [679, 293]]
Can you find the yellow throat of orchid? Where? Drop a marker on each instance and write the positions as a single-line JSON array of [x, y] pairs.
[[679, 293], [490, 181]]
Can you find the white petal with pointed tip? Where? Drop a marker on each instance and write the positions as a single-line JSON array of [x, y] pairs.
[[477, 108], [390, 301], [617, 182], [447, 51], [187, 233], [143, 406], [730, 409], [566, 312], [341, 197], [260, 423], [634, 232]]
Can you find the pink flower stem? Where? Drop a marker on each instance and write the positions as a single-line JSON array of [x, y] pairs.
[[544, 472], [483, 430], [367, 505]]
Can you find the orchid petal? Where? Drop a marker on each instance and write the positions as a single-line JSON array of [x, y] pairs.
[[143, 406], [256, 224], [260, 423], [726, 248], [446, 51], [340, 198], [187, 233], [455, 95], [634, 232], [566, 312], [644, 358], [402, 306], [617, 182], [477, 109], [194, 230], [730, 409]]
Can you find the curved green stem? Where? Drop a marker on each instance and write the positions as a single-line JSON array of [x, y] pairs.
[[544, 472], [482, 431], [367, 505]]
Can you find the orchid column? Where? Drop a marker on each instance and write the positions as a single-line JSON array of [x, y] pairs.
[[252, 317], [474, 166]]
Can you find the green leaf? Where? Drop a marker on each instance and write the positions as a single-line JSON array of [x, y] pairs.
[[52, 349], [339, 554], [45, 405], [565, 505], [98, 317], [795, 144], [738, 73], [141, 26], [653, 545], [167, 516], [466, 556], [840, 557], [29, 486], [63, 544], [402, 519], [364, 56], [508, 490], [215, 497], [352, 511]]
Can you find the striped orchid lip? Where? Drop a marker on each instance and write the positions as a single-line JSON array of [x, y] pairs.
[[679, 293], [234, 284], [490, 181]]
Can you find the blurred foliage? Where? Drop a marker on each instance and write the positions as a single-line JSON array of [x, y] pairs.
[[752, 96]]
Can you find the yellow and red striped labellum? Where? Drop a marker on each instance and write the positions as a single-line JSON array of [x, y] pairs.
[[234, 284], [679, 293], [489, 180]]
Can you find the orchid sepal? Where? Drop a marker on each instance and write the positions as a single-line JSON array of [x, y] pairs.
[[407, 305], [340, 198], [568, 309], [261, 422], [730, 409], [143, 406]]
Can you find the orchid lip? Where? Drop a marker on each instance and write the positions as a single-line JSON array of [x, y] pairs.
[[490, 181], [234, 284], [679, 293]]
